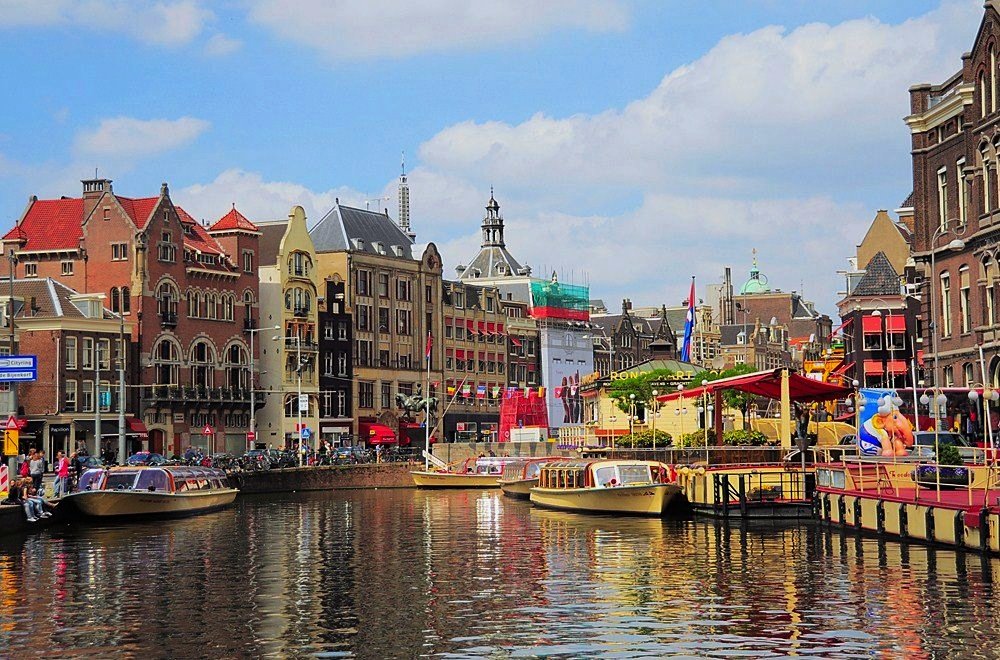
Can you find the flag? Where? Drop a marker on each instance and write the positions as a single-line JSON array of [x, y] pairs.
[[541, 392], [496, 392], [558, 392], [481, 392], [527, 392], [466, 389], [430, 342], [451, 390], [688, 327]]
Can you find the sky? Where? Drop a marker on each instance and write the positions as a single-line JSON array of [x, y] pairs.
[[631, 144]]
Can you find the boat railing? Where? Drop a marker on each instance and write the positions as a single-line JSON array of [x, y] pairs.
[[711, 455], [743, 489]]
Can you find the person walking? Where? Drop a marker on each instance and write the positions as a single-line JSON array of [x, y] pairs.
[[36, 469], [61, 487]]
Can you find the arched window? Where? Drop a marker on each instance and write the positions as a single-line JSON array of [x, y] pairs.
[[248, 304], [984, 152], [202, 364], [983, 92], [126, 300], [166, 360], [988, 279], [167, 297], [237, 367], [993, 79], [115, 301], [292, 407]]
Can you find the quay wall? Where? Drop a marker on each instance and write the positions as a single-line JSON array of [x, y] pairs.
[[332, 477], [453, 452]]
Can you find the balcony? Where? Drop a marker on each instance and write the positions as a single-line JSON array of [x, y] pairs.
[[184, 394], [300, 311], [168, 319], [306, 345]]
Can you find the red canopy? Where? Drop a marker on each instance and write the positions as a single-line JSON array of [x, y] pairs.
[[767, 383]]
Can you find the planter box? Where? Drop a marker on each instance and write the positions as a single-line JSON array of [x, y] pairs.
[[952, 476]]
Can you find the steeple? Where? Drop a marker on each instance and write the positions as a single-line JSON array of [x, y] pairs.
[[492, 224], [404, 200], [757, 282]]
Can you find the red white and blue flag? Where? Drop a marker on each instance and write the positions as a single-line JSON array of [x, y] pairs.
[[688, 327], [481, 392], [430, 342]]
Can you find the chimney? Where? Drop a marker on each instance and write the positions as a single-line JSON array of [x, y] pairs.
[[93, 190]]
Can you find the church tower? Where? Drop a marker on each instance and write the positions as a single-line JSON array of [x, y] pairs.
[[493, 224], [404, 202], [493, 260]]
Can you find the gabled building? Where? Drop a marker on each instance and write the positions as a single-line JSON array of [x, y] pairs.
[[336, 374], [289, 301], [623, 340], [188, 297], [394, 297]]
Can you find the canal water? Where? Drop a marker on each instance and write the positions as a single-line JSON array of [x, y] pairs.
[[406, 573]]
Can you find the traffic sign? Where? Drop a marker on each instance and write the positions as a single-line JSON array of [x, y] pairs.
[[17, 368], [251, 436], [303, 403], [207, 430], [10, 438], [12, 423], [305, 433]]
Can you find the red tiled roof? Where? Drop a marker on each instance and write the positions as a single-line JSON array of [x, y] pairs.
[[138, 209], [233, 220], [199, 239], [50, 224]]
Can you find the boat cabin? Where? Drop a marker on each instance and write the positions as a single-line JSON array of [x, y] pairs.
[[601, 474], [527, 468], [179, 479], [488, 465]]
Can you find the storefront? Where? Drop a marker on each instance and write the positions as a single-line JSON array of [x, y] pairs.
[[471, 427]]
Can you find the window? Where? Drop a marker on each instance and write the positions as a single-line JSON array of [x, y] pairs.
[[993, 79], [247, 261], [942, 191], [873, 341], [292, 407], [945, 305], [363, 353], [383, 285], [383, 319], [404, 320], [364, 318], [342, 330], [962, 187], [31, 269], [328, 330], [87, 396], [67, 268], [87, 357], [949, 376], [404, 289], [104, 354], [986, 180], [341, 403], [70, 404], [166, 250], [363, 282], [366, 395], [202, 368], [328, 364], [71, 352], [428, 294], [982, 94], [459, 299], [968, 375], [489, 303], [342, 364], [989, 291], [119, 251], [386, 395], [963, 299], [447, 328], [115, 301]]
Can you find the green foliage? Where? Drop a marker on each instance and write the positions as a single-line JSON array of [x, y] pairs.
[[644, 440], [744, 437], [949, 455], [733, 399], [641, 385], [695, 439]]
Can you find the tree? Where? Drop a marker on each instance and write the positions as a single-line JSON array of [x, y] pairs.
[[641, 385], [733, 398]]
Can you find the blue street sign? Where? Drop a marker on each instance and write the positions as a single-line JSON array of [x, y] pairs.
[[15, 368], [306, 433]]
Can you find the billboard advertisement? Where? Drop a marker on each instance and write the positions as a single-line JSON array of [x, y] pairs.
[[882, 429]]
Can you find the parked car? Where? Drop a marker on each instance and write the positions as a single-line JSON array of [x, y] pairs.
[[145, 458], [924, 442], [350, 455]]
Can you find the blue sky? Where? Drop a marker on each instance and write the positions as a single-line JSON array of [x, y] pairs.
[[638, 142]]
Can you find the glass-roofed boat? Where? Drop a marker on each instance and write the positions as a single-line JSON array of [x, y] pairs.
[[152, 491]]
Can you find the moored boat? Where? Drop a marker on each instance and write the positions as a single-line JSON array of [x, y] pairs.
[[482, 472], [151, 491], [606, 486], [518, 479]]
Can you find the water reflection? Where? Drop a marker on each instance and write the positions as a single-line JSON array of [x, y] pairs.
[[468, 573]]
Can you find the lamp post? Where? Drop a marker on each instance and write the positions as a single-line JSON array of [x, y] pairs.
[[612, 419], [298, 379], [653, 403], [122, 450], [253, 397], [854, 401], [935, 400], [631, 418], [955, 244]]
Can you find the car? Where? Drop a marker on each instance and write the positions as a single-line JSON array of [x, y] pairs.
[[88, 462], [925, 441], [354, 454], [145, 458]]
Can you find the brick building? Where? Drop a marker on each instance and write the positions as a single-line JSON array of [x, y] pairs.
[[955, 137], [336, 372], [523, 356], [189, 292], [623, 340]]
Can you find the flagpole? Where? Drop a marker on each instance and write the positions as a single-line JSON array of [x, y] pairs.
[[427, 406]]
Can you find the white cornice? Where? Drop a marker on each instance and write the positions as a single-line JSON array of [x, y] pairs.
[[949, 107]]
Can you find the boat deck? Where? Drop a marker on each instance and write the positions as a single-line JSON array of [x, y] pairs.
[[958, 499]]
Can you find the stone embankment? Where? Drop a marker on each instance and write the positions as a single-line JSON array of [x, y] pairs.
[[334, 477]]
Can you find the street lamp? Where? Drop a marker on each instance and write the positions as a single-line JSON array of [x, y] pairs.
[[989, 396], [253, 398], [298, 379], [631, 418], [935, 400], [653, 412], [955, 244]]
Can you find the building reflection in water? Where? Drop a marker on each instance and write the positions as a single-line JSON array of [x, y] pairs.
[[405, 573]]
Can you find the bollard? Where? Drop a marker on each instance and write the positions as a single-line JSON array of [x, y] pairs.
[[960, 529], [880, 517], [904, 520], [743, 496], [929, 524], [857, 512]]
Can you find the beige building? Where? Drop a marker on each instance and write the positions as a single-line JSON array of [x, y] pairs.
[[288, 354], [394, 296]]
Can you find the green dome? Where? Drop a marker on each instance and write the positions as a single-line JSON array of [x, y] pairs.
[[757, 282]]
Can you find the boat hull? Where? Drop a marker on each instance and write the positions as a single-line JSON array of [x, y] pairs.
[[127, 503], [424, 479], [647, 500], [519, 489]]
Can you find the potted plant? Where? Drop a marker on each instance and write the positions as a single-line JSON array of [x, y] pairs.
[[950, 470]]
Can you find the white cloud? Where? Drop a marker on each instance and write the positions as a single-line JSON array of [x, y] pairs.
[[258, 199], [219, 45], [757, 110], [160, 22], [128, 137], [356, 29]]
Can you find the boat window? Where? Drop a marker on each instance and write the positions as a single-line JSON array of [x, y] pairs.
[[532, 470], [91, 480], [605, 476], [192, 484], [120, 480], [180, 486], [153, 480], [634, 474]]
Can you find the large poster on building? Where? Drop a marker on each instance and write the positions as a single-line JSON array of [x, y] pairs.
[[567, 356], [882, 429]]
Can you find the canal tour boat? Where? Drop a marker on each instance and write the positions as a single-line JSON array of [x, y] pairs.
[[481, 472], [606, 486], [518, 479], [151, 491]]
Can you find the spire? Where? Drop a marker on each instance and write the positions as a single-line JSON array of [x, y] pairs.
[[404, 200], [493, 224]]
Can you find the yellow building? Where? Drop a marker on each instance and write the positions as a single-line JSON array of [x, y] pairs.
[[287, 339]]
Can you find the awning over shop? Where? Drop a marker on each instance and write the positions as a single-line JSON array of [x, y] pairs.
[[136, 427], [768, 384], [873, 367], [843, 369], [840, 328], [871, 325], [895, 325], [896, 367]]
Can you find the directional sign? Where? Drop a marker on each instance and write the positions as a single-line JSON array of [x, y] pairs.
[[10, 437], [207, 430], [18, 376], [18, 368]]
